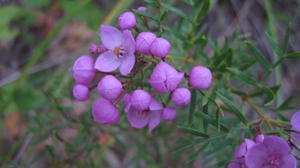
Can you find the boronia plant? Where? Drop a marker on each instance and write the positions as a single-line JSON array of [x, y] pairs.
[[135, 74]]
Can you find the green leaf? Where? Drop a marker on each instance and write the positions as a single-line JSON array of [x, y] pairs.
[[202, 11], [295, 55], [275, 46], [145, 14], [177, 11], [37, 3], [247, 78], [232, 107], [193, 131], [192, 106], [28, 98], [259, 56]]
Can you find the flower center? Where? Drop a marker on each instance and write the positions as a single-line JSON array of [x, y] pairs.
[[119, 52]]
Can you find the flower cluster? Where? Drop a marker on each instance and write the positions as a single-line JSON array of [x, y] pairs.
[[122, 50], [265, 151]]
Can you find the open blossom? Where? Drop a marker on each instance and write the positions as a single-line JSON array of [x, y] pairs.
[[144, 41], [181, 96], [80, 92], [150, 116], [200, 77], [160, 47], [273, 152], [165, 78], [168, 113], [104, 112], [109, 87], [120, 53], [127, 20], [83, 70]]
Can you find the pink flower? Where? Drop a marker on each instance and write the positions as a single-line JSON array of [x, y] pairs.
[[120, 54], [140, 99], [80, 92], [142, 8], [109, 87], [165, 78], [243, 149], [200, 77], [160, 47], [127, 20], [83, 70], [104, 112], [181, 96], [168, 113], [150, 116], [144, 41]]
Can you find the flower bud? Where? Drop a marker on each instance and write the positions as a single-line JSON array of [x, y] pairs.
[[104, 112], [144, 41], [127, 20], [93, 48], [181, 96], [80, 92], [168, 113], [140, 99], [259, 138], [83, 70], [109, 87], [142, 8], [200, 77], [160, 47], [165, 78]]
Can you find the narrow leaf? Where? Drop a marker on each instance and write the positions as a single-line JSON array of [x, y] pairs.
[[232, 107], [259, 56], [193, 131]]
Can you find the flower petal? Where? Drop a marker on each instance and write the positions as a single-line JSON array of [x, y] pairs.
[[155, 105], [257, 156], [137, 119], [154, 119], [107, 62], [111, 37], [127, 64], [289, 161], [129, 42], [172, 82], [295, 120]]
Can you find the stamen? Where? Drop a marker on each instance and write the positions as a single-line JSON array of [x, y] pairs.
[[116, 51]]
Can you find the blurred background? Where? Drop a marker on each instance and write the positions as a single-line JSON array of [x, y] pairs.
[[42, 126]]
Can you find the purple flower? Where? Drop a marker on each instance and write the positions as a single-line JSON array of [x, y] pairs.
[[144, 41], [273, 152], [200, 77], [243, 149], [140, 99], [181, 96], [127, 20], [120, 54], [168, 113], [104, 112], [142, 8], [160, 47], [141, 118], [165, 78], [109, 87], [83, 70], [80, 92]]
